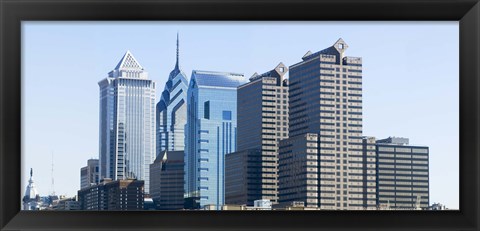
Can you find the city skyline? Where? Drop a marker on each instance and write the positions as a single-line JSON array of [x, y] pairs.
[[372, 71]]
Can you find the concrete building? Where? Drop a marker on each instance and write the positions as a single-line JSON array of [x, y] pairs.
[[113, 195], [172, 111], [127, 122], [321, 163], [262, 110], [211, 133], [166, 180], [369, 173], [402, 174], [89, 174], [31, 198], [67, 204], [263, 204]]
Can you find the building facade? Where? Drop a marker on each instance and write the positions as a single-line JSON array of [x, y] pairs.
[[113, 195], [325, 107], [127, 122], [89, 174], [172, 111], [262, 109], [402, 174], [211, 133], [369, 173], [167, 180]]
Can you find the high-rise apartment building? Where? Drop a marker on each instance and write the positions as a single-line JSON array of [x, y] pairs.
[[211, 133], [127, 122], [172, 111], [113, 195], [262, 110], [321, 163], [89, 174], [166, 180], [402, 174]]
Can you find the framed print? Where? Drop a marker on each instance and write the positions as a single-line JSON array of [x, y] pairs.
[[242, 115]]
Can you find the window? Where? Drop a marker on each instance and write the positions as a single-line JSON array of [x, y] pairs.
[[206, 110], [282, 69], [340, 46], [227, 115]]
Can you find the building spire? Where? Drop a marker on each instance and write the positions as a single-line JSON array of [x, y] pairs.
[[176, 65], [31, 172]]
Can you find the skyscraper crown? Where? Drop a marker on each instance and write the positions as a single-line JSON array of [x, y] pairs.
[[128, 62], [128, 67]]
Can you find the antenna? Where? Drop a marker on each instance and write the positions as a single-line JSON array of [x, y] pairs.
[[53, 181]]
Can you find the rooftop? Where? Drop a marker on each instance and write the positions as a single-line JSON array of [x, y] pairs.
[[218, 79]]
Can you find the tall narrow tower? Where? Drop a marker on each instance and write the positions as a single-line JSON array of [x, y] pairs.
[[31, 199], [127, 122], [172, 111], [321, 162], [53, 179]]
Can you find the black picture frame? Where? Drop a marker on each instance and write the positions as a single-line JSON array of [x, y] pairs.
[[12, 12]]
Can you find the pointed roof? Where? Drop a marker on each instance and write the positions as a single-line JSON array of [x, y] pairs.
[[307, 54], [176, 70], [31, 190], [176, 63], [336, 49], [164, 158], [172, 156], [340, 45], [128, 61]]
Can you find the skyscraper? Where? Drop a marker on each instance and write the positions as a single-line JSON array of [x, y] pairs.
[[211, 133], [127, 122], [321, 162], [262, 108], [172, 111], [402, 174], [89, 174]]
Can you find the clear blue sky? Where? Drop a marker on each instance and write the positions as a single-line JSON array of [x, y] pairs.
[[410, 76]]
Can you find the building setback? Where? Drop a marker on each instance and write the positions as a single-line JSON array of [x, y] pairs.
[[211, 133], [166, 180], [89, 174], [113, 195], [127, 122], [262, 110], [172, 111], [402, 174], [325, 109]]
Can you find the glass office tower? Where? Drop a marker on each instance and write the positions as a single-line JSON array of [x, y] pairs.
[[127, 122], [172, 111], [211, 133]]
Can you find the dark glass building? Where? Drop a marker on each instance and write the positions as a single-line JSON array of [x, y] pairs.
[[166, 177]]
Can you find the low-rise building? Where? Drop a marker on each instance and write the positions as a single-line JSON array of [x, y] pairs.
[[113, 195]]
